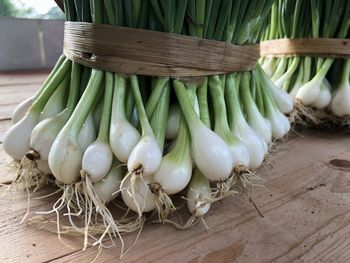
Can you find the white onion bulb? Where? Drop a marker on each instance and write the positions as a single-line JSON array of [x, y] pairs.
[[97, 160], [17, 138], [141, 199], [21, 109]]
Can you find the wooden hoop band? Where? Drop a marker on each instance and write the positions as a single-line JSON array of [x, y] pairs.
[[136, 51]]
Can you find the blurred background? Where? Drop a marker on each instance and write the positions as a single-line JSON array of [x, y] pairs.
[[31, 34]]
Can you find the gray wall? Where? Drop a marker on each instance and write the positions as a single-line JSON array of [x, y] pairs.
[[29, 43]]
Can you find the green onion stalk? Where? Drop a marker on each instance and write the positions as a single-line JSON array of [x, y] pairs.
[[175, 169], [144, 139], [231, 21], [318, 85], [35, 120], [68, 152], [91, 173], [232, 104]]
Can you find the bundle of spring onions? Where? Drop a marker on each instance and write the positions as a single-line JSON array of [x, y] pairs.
[[141, 139], [319, 85]]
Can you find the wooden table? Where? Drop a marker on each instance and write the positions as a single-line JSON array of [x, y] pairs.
[[306, 207]]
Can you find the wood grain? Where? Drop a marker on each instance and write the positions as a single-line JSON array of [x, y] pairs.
[[299, 203], [12, 95], [292, 213], [4, 125], [15, 88], [7, 169], [305, 202], [17, 78], [6, 111], [26, 243]]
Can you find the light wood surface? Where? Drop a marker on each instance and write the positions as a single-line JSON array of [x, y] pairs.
[[305, 202], [15, 87]]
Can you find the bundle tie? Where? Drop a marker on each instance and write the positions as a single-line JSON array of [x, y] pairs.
[[136, 51], [314, 47]]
